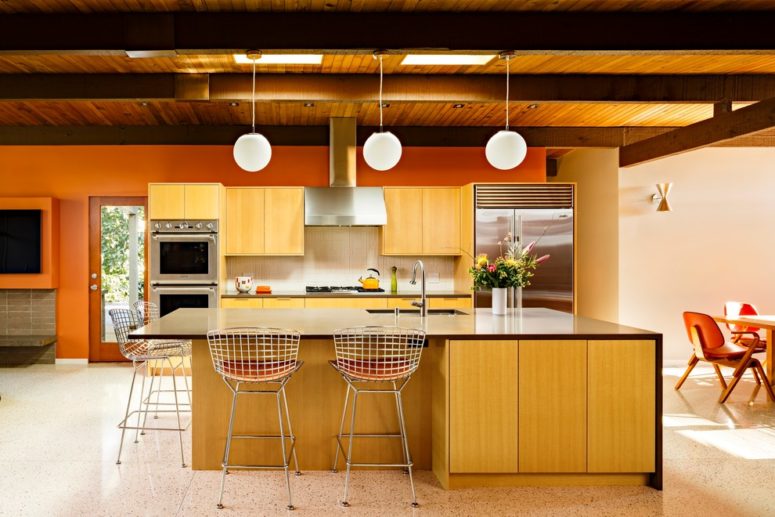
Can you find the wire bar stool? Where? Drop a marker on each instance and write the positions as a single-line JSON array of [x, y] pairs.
[[257, 356], [140, 351], [376, 360], [148, 312]]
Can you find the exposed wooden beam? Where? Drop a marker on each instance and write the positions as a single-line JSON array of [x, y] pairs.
[[219, 32], [551, 167], [398, 88], [721, 128]]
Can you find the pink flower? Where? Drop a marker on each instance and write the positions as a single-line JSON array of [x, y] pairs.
[[491, 268], [542, 259], [529, 248]]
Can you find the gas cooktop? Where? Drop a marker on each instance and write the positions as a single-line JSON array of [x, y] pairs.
[[340, 289]]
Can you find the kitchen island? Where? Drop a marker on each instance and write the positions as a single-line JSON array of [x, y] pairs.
[[536, 397]]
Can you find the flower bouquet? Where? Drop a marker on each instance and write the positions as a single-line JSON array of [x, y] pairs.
[[514, 268]]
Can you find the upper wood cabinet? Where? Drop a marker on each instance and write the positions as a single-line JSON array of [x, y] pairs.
[[422, 221], [264, 221], [184, 200]]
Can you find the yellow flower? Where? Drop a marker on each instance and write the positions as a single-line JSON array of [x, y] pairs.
[[511, 262], [481, 261]]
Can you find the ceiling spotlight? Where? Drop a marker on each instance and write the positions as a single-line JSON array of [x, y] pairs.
[[234, 104], [532, 106], [385, 104], [144, 103], [309, 104], [458, 106]]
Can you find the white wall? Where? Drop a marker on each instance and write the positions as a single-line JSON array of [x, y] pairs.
[[718, 244], [596, 174]]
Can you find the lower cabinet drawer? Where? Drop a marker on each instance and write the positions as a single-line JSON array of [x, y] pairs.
[[450, 303], [283, 303], [242, 303], [401, 303], [345, 303]]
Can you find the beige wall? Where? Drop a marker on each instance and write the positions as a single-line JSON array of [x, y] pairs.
[[596, 173], [716, 245]]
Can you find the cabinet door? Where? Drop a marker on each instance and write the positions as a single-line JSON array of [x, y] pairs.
[[401, 303], [284, 221], [345, 303], [242, 303], [483, 406], [450, 303], [202, 201], [552, 406], [166, 201], [402, 235], [622, 406], [283, 303], [245, 221], [441, 221]]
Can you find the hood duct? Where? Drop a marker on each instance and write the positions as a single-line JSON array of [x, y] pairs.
[[343, 204]]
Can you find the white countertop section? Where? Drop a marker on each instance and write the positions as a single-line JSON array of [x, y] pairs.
[[322, 323]]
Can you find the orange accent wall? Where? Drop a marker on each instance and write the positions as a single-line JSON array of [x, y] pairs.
[[49, 243], [74, 173]]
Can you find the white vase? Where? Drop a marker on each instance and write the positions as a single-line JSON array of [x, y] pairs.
[[499, 300]]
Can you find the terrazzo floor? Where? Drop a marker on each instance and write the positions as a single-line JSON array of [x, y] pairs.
[[58, 443]]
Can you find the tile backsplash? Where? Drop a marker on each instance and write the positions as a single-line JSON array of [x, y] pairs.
[[27, 312], [338, 256]]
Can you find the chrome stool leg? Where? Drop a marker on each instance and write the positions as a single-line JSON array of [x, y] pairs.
[[282, 449], [227, 448], [349, 457], [290, 432], [405, 443], [148, 402], [341, 429], [140, 406], [177, 413], [399, 413], [126, 414]]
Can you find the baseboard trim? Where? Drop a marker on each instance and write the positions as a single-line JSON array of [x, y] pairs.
[[77, 361]]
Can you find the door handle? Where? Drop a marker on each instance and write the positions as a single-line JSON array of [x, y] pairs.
[[93, 287]]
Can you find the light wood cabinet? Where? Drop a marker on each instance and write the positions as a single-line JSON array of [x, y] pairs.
[[283, 303], [450, 303], [284, 221], [483, 398], [422, 221], [621, 406], [242, 303], [184, 201], [166, 201], [264, 221], [441, 221], [245, 221], [401, 303], [552, 406], [402, 235], [345, 303]]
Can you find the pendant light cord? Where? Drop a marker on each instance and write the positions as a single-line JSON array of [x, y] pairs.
[[508, 67], [380, 93], [253, 97]]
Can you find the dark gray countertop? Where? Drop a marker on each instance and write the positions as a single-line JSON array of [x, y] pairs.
[[322, 323]]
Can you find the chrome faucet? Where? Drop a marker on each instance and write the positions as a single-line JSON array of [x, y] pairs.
[[423, 303]]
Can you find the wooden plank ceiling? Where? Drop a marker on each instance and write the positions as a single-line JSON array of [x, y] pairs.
[[91, 6]]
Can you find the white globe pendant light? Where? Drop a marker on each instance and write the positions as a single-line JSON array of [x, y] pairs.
[[382, 150], [252, 151], [506, 149]]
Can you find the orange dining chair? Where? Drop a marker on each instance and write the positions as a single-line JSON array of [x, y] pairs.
[[710, 346], [742, 334]]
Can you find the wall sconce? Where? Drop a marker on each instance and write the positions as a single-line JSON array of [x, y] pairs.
[[663, 190]]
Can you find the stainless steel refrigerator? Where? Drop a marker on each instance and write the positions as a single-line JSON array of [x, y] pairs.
[[500, 212]]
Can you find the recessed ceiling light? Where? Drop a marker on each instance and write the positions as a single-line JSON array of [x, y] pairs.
[[234, 104], [281, 59], [532, 106], [309, 104], [385, 104], [143, 104], [457, 106], [446, 59]]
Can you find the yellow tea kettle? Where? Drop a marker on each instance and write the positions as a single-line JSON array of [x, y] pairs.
[[371, 282]]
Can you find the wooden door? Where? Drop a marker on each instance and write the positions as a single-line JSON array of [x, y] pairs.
[[402, 235], [118, 258], [244, 221], [483, 406], [552, 406], [622, 389], [441, 221], [284, 220]]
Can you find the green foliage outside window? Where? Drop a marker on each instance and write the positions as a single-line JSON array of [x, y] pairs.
[[115, 252]]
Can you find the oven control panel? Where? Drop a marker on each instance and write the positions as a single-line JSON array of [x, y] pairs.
[[191, 226]]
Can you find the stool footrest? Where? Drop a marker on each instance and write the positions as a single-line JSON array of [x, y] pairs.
[[260, 436], [123, 423]]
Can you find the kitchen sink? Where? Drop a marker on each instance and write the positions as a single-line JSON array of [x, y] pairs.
[[431, 312]]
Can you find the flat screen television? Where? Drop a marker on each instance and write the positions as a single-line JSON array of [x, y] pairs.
[[19, 241]]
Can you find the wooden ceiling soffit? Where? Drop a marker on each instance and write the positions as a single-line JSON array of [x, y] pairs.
[[526, 31], [723, 127], [398, 88]]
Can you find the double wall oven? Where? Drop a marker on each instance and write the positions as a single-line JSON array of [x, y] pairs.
[[184, 264]]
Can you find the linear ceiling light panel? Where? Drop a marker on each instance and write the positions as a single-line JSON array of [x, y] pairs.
[[281, 59], [446, 59]]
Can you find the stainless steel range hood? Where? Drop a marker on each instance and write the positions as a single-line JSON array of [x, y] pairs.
[[343, 204]]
